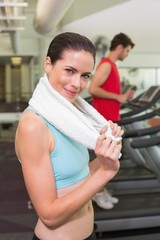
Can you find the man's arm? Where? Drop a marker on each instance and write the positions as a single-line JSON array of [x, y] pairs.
[[99, 78]]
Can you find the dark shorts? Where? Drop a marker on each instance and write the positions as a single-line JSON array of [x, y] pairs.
[[91, 237]]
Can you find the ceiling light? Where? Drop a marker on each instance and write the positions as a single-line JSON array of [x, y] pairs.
[[12, 17], [11, 29], [13, 4], [16, 60]]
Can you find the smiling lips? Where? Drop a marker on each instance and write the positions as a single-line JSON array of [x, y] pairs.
[[72, 93]]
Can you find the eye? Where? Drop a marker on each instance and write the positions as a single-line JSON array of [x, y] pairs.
[[70, 71], [86, 76]]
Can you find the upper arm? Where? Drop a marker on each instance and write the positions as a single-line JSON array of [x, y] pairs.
[[33, 149], [100, 76]]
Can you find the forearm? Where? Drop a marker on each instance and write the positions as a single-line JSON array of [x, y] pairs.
[[94, 165], [101, 93], [61, 209]]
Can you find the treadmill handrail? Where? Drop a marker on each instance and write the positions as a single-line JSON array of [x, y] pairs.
[[142, 117], [131, 102], [145, 142], [141, 132]]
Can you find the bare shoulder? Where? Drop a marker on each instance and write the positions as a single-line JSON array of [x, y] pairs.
[[30, 122], [105, 66], [102, 72], [31, 128]]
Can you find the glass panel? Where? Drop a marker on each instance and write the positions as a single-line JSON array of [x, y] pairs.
[[143, 78], [158, 76]]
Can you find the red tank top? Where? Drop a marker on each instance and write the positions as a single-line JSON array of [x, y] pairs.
[[109, 108]]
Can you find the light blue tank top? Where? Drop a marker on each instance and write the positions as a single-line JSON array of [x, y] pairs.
[[69, 159]]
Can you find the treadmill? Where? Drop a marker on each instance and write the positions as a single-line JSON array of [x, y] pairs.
[[149, 104], [141, 103], [138, 208], [134, 170]]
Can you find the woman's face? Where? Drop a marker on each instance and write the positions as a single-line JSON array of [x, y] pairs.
[[70, 75]]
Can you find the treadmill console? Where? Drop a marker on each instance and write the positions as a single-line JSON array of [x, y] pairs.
[[150, 94], [143, 102]]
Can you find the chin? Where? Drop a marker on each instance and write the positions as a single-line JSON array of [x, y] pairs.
[[71, 100]]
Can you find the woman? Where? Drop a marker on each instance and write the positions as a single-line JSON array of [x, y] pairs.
[[58, 176]]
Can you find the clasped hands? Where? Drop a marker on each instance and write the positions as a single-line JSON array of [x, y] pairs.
[[108, 150]]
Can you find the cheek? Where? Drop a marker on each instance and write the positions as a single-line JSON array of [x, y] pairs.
[[126, 53], [64, 79], [83, 84], [59, 79]]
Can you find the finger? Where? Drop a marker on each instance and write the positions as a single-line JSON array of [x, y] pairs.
[[114, 152], [122, 132], [107, 147], [116, 130], [103, 130], [100, 141], [117, 151], [111, 124]]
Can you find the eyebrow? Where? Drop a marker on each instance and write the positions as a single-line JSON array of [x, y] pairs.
[[77, 70], [87, 73]]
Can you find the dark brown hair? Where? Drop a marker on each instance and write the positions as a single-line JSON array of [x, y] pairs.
[[121, 39], [69, 41]]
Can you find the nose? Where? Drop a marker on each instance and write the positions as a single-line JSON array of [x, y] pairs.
[[76, 81]]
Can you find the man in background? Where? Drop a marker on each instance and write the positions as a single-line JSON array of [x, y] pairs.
[[107, 97]]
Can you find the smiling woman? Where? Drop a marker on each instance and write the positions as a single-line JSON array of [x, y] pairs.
[[53, 155], [71, 75]]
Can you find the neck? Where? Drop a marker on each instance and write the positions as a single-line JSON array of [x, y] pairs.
[[113, 56]]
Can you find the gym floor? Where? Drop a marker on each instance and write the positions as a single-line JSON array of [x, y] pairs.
[[17, 218]]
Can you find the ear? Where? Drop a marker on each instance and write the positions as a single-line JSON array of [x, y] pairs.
[[120, 47], [47, 65]]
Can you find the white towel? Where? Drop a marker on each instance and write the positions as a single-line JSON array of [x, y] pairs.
[[79, 121]]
